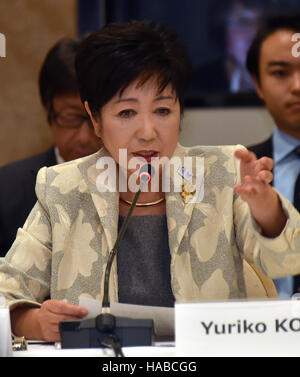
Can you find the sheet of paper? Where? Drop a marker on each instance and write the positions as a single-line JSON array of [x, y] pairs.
[[163, 317]]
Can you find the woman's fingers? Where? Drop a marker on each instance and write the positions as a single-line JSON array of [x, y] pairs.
[[251, 166], [65, 309], [266, 176], [252, 187], [245, 156], [266, 163], [54, 311]]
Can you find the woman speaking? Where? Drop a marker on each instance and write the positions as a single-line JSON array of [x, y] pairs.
[[181, 244]]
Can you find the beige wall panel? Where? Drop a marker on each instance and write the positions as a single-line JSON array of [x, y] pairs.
[[31, 27], [219, 126]]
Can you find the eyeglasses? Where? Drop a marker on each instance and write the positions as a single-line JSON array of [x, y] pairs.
[[67, 119]]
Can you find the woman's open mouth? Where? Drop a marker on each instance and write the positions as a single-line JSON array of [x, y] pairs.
[[147, 155]]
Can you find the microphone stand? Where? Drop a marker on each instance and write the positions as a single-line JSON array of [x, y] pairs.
[[105, 302], [106, 330]]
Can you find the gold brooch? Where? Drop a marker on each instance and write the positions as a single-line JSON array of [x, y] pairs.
[[186, 193]]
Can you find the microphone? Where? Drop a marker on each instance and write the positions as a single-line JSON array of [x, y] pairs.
[[145, 174], [106, 329]]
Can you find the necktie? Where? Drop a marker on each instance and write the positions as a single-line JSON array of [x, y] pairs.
[[297, 206]]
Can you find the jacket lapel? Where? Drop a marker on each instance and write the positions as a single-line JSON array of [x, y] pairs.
[[181, 199], [107, 206], [106, 202]]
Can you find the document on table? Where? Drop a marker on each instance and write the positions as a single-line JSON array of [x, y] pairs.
[[163, 317]]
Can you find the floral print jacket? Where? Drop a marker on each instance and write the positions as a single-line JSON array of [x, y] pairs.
[[63, 247]]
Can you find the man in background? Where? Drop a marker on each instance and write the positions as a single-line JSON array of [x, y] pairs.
[[73, 137], [275, 69]]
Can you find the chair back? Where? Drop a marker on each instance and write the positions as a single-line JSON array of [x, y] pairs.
[[258, 285]]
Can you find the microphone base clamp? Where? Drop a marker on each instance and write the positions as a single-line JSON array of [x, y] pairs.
[[90, 333]]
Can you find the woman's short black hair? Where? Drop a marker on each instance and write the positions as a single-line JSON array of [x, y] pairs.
[[271, 24], [57, 75], [114, 56]]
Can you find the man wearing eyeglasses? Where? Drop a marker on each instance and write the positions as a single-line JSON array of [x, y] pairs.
[[73, 137], [72, 129]]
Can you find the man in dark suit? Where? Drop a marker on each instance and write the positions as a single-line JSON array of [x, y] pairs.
[[72, 132], [274, 65]]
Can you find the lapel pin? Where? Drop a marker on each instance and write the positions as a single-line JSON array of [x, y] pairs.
[[188, 190], [185, 173], [187, 193]]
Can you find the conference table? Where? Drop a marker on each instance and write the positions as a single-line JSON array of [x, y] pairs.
[[40, 349], [231, 328]]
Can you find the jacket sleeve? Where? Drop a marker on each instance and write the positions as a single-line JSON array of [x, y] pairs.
[[275, 257], [25, 270]]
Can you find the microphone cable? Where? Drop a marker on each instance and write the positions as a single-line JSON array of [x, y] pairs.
[[145, 174], [106, 322]]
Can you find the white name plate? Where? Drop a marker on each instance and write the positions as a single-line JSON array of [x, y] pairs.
[[238, 328], [5, 333]]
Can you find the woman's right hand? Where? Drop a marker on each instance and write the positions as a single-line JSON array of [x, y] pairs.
[[42, 323]]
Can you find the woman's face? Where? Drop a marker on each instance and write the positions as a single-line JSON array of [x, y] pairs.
[[142, 121]]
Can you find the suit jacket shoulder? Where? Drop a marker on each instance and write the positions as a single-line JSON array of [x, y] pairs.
[[263, 149], [17, 194], [16, 171]]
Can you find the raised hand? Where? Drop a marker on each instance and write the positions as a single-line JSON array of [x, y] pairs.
[[255, 189]]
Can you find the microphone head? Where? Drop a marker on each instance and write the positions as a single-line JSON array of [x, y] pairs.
[[147, 172]]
